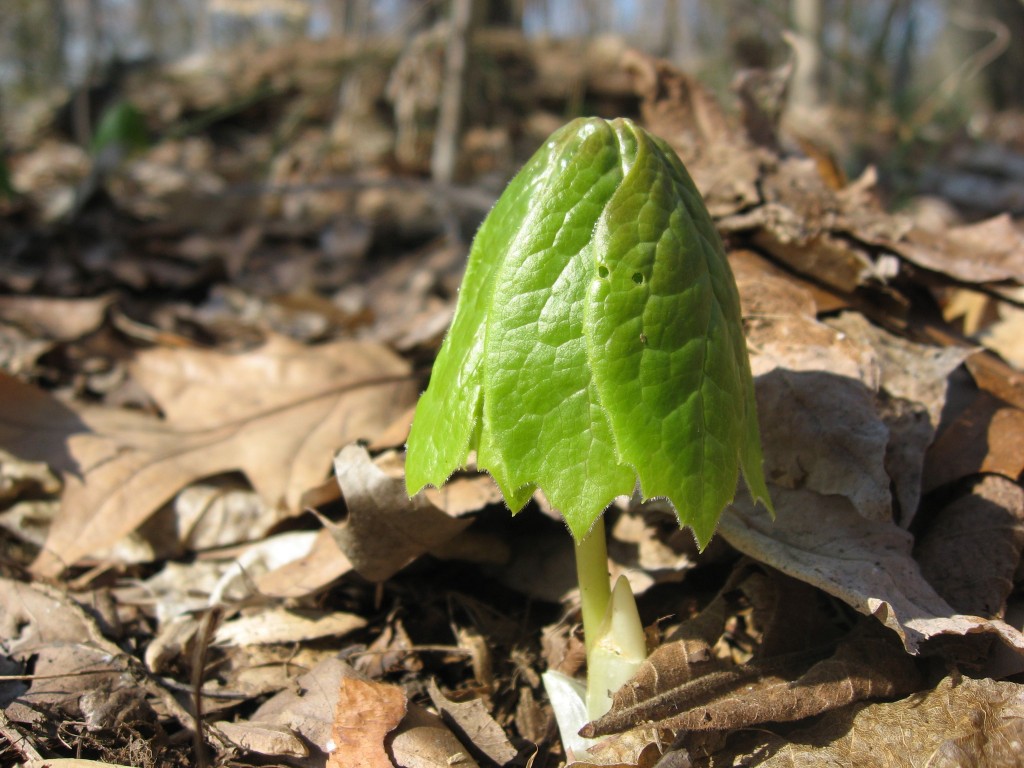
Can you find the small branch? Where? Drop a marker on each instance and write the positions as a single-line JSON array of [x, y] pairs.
[[18, 740]]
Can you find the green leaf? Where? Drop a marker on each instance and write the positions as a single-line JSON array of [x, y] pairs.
[[121, 127], [597, 341]]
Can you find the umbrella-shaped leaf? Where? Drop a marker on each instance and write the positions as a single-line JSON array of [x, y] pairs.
[[597, 341]]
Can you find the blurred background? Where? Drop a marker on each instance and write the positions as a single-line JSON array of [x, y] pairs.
[[929, 91]]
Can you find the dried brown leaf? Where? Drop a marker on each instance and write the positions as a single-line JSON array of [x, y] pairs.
[[283, 625], [779, 689], [987, 437], [687, 671], [813, 229], [867, 564], [385, 530], [307, 706], [36, 426], [474, 724], [81, 674], [822, 432], [797, 342], [915, 372], [1006, 335], [53, 318], [960, 723], [322, 565], [422, 740], [971, 548], [986, 252], [365, 713], [723, 163], [276, 414], [914, 380], [391, 650], [264, 738], [33, 616], [639, 748]]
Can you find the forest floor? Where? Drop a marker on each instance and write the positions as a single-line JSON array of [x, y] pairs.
[[212, 342]]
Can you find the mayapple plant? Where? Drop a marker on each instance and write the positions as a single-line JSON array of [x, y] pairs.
[[596, 349]]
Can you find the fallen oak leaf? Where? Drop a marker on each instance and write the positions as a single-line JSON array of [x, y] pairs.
[[36, 426], [318, 397], [276, 414], [307, 706]]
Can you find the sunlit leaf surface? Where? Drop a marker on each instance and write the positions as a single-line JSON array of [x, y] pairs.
[[597, 341]]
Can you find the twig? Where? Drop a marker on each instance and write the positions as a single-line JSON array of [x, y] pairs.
[[968, 70], [206, 630], [18, 740]]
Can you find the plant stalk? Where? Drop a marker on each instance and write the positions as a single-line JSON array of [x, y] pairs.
[[594, 581]]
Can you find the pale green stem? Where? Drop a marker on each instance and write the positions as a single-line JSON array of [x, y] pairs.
[[595, 584]]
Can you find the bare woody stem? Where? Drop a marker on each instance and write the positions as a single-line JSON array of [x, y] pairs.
[[592, 575]]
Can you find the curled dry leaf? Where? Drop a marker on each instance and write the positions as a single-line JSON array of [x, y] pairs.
[[914, 382], [475, 725], [275, 414], [385, 530], [640, 748], [800, 224], [80, 673], [816, 391], [779, 689], [823, 541], [908, 370]]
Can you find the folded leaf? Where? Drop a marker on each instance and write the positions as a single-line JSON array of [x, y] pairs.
[[597, 341]]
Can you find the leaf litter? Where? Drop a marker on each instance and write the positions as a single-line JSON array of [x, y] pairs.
[[163, 457]]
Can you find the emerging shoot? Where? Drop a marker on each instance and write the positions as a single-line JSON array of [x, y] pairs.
[[596, 349]]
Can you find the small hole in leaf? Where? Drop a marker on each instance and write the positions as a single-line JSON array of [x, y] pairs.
[[602, 271], [638, 278]]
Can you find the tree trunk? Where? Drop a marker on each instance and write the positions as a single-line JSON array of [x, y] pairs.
[[805, 91], [449, 119]]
